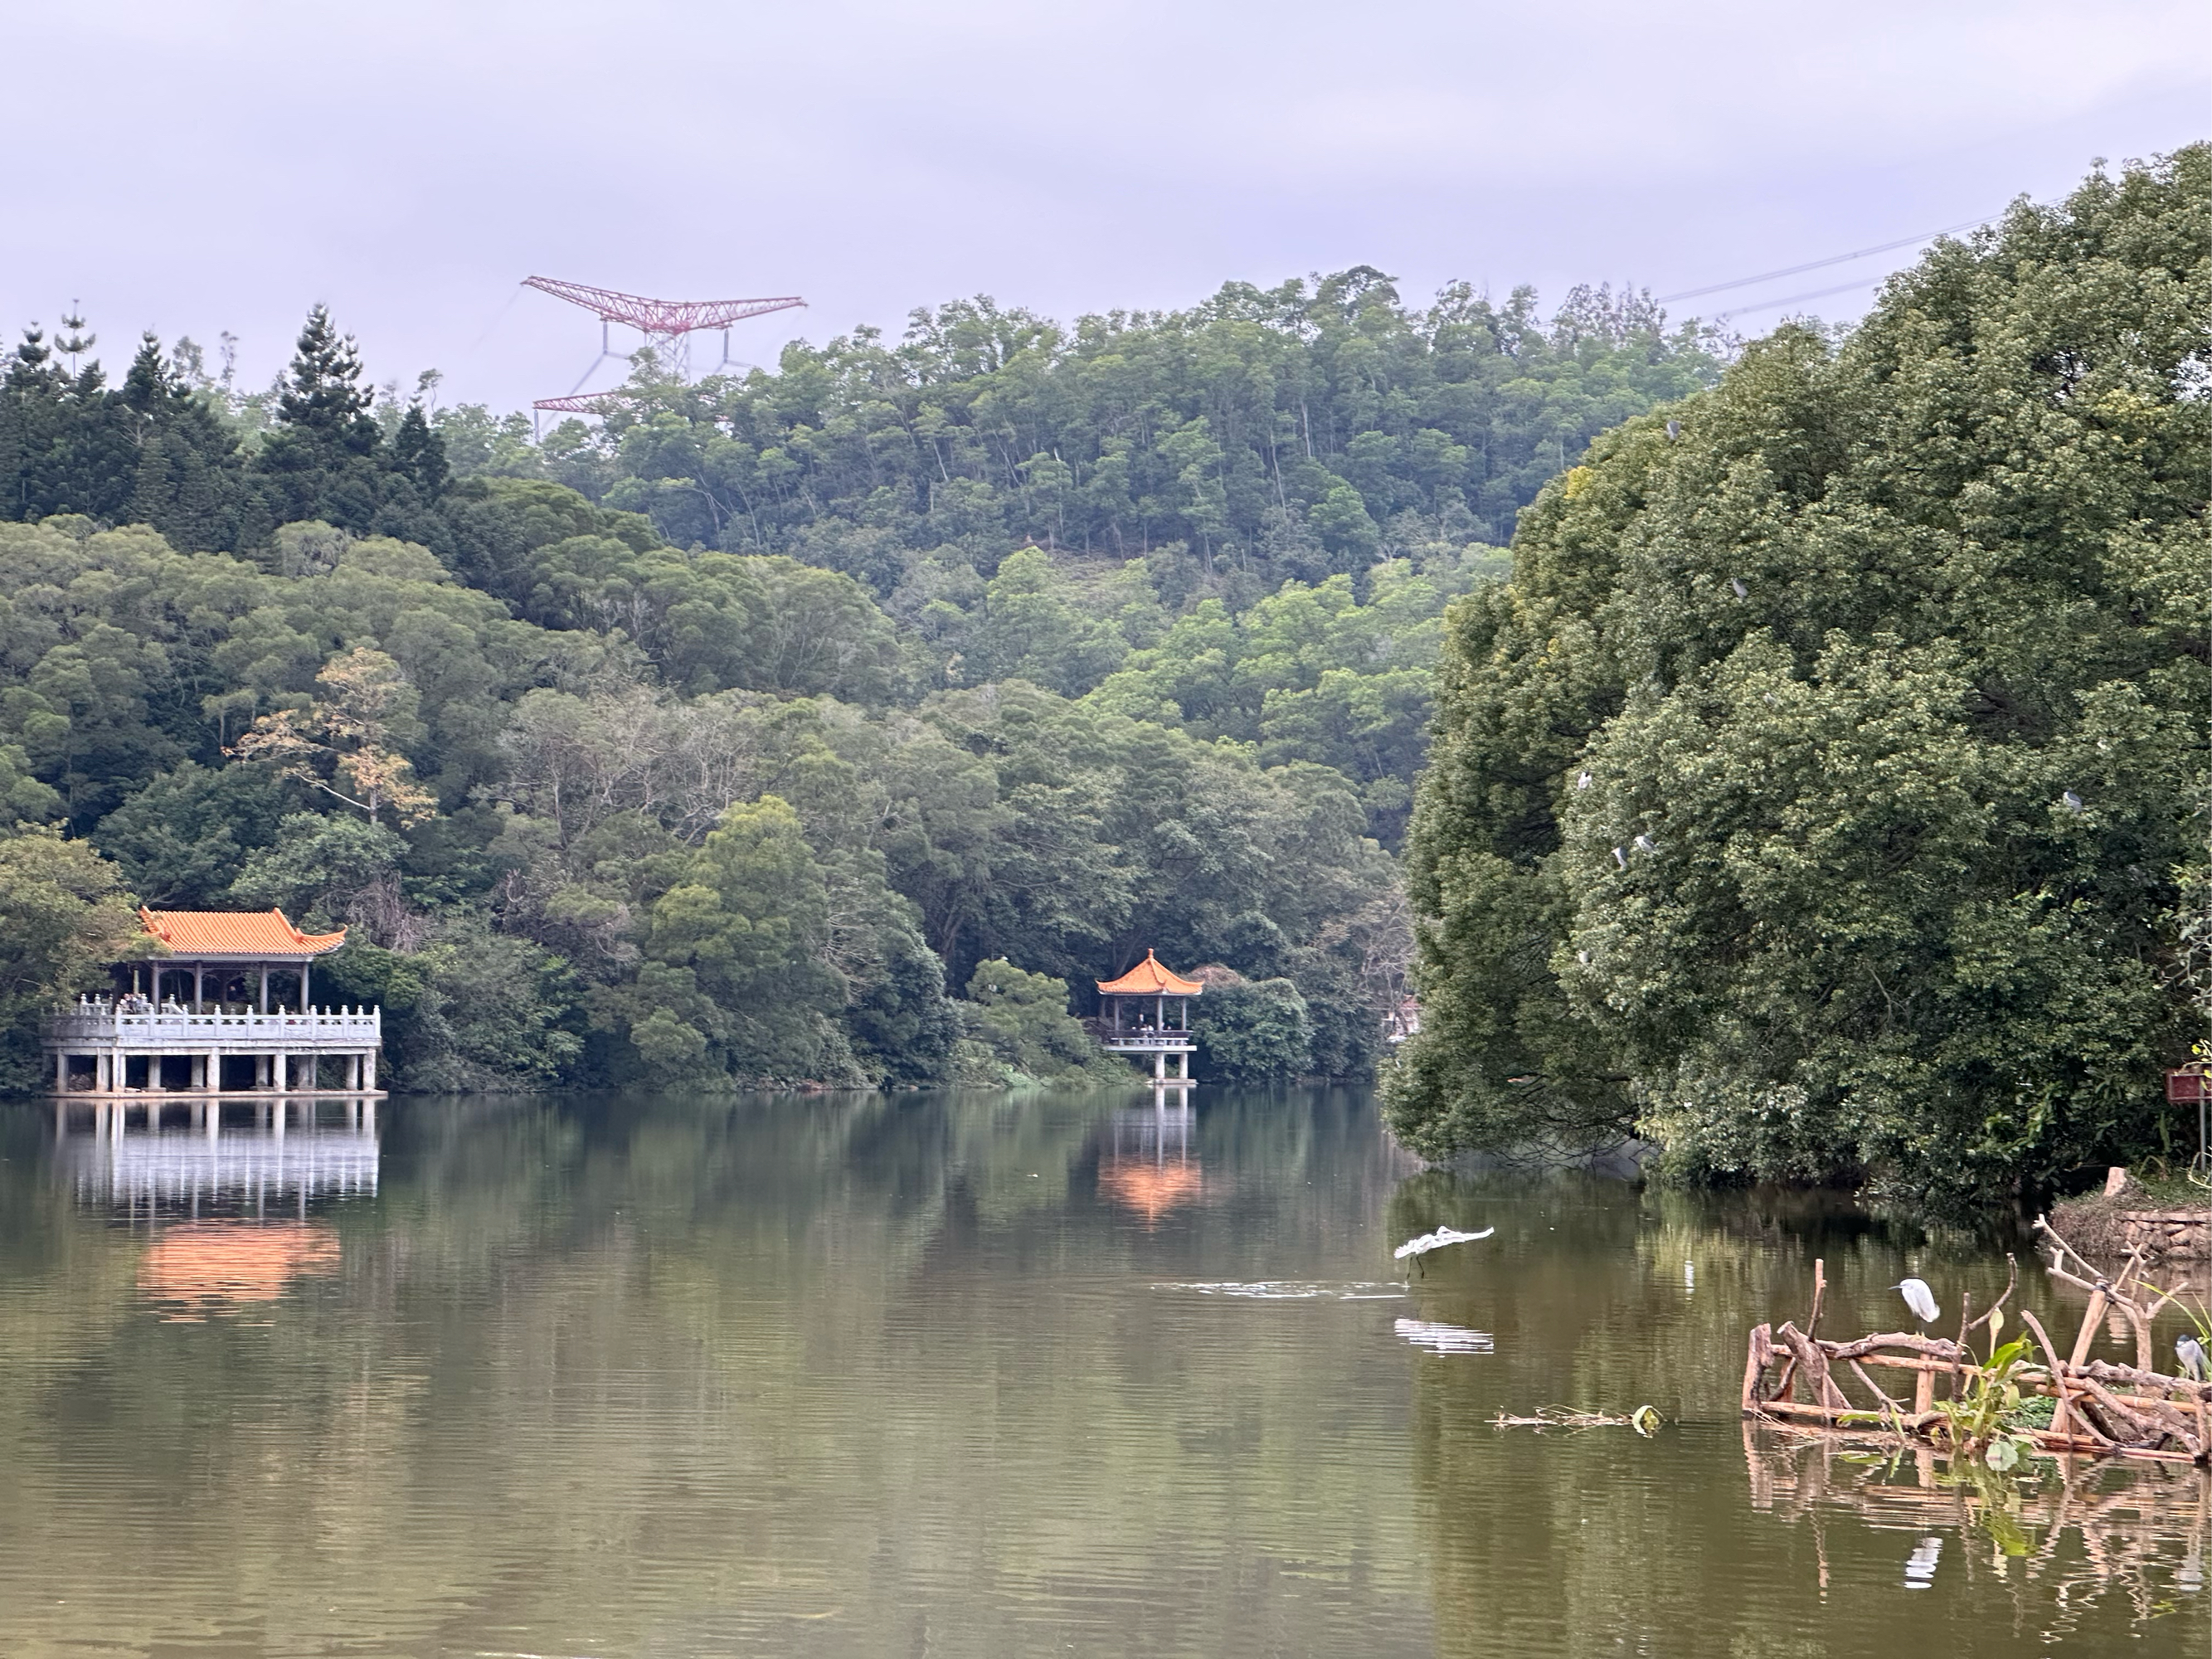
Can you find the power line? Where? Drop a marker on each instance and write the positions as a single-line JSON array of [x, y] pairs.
[[1792, 299], [1816, 264]]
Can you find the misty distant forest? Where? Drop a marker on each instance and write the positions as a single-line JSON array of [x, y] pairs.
[[1819, 722]]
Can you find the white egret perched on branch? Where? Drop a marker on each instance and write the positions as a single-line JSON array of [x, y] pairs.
[[1418, 1247], [1920, 1299]]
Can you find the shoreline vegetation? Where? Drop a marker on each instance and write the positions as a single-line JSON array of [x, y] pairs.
[[834, 724], [1824, 796]]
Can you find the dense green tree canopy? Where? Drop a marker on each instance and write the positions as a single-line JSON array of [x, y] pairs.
[[1820, 796], [728, 738]]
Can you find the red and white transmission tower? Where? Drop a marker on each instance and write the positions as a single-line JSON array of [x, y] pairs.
[[668, 323]]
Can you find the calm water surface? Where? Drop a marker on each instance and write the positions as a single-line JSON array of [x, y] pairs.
[[963, 1375]]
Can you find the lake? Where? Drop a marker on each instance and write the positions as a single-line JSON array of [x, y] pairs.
[[967, 1374]]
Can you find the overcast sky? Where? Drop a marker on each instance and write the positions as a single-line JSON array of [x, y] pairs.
[[193, 168]]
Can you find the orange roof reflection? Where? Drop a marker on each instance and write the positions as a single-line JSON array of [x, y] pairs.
[[1150, 1190], [219, 1266]]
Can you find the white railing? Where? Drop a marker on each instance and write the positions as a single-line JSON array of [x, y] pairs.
[[357, 1028], [1148, 1041]]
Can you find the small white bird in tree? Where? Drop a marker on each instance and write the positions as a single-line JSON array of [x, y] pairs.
[[2190, 1352], [1920, 1299]]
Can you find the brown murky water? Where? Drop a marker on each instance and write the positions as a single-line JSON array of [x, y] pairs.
[[964, 1375]]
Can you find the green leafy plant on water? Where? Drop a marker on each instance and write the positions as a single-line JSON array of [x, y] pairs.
[[1983, 1422]]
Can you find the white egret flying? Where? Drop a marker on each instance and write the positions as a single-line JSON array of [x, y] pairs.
[[1920, 1299], [1418, 1247]]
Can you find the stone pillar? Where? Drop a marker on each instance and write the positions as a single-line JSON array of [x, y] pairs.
[[304, 1004], [264, 988], [1159, 1062], [199, 975], [280, 1070], [368, 1068], [214, 1072]]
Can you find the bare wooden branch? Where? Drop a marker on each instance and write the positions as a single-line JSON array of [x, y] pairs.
[[1814, 1365], [1874, 1388]]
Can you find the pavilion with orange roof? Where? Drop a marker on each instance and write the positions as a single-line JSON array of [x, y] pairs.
[[195, 1015], [1133, 1017]]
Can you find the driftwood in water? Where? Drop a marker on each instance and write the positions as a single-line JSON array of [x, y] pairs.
[[1791, 1376]]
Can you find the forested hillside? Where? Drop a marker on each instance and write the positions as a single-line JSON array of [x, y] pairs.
[[812, 725], [1824, 795]]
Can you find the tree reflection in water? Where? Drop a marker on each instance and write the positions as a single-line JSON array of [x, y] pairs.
[[2063, 1533]]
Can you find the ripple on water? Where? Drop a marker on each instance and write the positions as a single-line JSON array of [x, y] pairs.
[[1289, 1290]]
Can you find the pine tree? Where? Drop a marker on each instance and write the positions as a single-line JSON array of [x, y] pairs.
[[146, 387], [326, 460], [420, 453], [323, 393], [74, 343]]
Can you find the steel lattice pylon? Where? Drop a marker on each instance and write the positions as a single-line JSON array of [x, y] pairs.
[[668, 321]]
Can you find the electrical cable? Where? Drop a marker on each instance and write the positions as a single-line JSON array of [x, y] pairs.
[[1792, 299], [1816, 264]]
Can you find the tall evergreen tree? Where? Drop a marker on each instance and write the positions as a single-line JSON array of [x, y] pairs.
[[326, 460], [190, 473], [420, 454]]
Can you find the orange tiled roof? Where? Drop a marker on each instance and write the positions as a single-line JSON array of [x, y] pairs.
[[235, 934], [1149, 979]]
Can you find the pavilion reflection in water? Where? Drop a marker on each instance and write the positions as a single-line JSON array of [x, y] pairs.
[[183, 1159], [2078, 1529], [1146, 1161]]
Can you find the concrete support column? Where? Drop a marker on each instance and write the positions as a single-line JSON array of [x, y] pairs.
[[1159, 1062], [368, 1070], [304, 1004], [214, 1071], [264, 988], [280, 1066]]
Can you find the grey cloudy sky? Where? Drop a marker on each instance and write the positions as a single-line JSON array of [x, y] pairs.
[[193, 166]]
